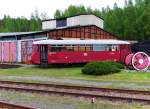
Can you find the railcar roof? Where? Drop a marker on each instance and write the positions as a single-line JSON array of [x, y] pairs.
[[81, 42]]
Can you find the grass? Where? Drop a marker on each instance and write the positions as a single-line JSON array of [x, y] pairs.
[[75, 73]]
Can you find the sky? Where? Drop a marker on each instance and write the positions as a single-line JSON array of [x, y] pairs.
[[18, 8]]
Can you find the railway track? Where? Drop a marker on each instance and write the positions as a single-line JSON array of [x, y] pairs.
[[5, 105], [80, 91]]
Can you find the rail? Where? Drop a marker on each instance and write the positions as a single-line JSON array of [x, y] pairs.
[[6, 105], [80, 91]]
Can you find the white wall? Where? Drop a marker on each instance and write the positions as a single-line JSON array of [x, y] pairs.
[[19, 51], [81, 20], [73, 21], [85, 20], [48, 24]]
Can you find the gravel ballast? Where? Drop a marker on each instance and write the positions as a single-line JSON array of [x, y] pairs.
[[45, 101]]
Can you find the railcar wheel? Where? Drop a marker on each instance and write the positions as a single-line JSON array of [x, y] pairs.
[[140, 61]]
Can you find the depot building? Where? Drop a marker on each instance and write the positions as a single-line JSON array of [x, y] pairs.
[[17, 47]]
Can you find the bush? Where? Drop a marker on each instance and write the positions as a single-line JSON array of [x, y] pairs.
[[100, 68], [119, 65]]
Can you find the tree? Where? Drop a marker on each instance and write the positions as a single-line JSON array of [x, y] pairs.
[[35, 21], [130, 22], [44, 16], [145, 21], [57, 14]]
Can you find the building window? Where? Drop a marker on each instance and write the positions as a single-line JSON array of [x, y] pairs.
[[61, 23]]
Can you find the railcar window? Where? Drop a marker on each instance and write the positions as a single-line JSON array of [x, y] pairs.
[[89, 48], [112, 48], [75, 48], [69, 48], [36, 48], [115, 47], [56, 48], [108, 48], [82, 48], [99, 47], [62, 48], [61, 23]]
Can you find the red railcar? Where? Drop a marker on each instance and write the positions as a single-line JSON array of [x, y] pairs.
[[79, 51]]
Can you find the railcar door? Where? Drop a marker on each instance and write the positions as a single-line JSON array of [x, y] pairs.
[[44, 55], [124, 51]]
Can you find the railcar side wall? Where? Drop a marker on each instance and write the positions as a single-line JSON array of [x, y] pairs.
[[0, 51], [81, 57], [76, 56]]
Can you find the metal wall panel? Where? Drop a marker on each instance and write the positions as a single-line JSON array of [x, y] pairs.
[[26, 50], [82, 20], [6, 51], [49, 24], [19, 51], [9, 52], [13, 52], [73, 21], [91, 20], [85, 20], [0, 51]]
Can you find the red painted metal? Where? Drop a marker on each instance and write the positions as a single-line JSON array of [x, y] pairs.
[[36, 55], [81, 56], [9, 52], [6, 51], [12, 53], [138, 61], [0, 51], [124, 51], [77, 57], [128, 59]]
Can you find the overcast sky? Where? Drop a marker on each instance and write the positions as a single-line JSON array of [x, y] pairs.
[[17, 8]]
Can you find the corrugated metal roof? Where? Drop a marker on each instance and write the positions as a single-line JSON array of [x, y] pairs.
[[81, 42], [17, 33]]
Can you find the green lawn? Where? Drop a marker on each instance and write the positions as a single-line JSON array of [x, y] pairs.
[[75, 73]]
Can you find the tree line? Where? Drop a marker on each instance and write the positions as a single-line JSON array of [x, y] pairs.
[[21, 24], [131, 22]]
